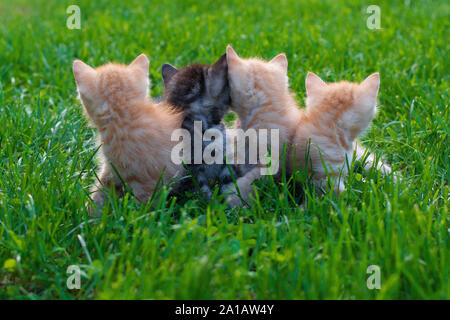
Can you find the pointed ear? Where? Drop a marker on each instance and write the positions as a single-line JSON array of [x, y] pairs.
[[141, 62], [218, 76], [82, 71], [231, 55], [281, 61], [313, 83], [221, 65], [167, 72], [371, 84]]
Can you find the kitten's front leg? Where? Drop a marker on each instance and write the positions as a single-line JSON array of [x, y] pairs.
[[244, 184], [142, 190], [226, 177], [104, 182], [200, 174], [337, 181], [203, 182], [371, 161]]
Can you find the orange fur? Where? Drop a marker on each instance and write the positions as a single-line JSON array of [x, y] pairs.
[[261, 98], [134, 132], [335, 115]]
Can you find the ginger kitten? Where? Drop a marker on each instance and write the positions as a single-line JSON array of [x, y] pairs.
[[134, 133], [260, 96], [203, 95], [335, 115]]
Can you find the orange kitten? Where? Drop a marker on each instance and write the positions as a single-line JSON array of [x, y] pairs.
[[335, 115], [134, 133], [261, 98]]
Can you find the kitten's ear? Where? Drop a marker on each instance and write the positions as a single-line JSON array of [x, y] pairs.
[[167, 72], [231, 55], [218, 76], [281, 60], [141, 63], [82, 72], [313, 83], [371, 84]]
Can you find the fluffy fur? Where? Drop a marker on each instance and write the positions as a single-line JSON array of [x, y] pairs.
[[134, 133], [260, 96], [336, 114], [202, 93]]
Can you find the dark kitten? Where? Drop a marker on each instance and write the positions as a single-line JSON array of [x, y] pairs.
[[203, 94]]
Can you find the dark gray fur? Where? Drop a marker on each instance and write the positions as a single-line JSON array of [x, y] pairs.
[[203, 94]]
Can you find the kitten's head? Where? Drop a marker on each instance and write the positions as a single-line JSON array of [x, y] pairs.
[[254, 81], [112, 88], [200, 90], [353, 105]]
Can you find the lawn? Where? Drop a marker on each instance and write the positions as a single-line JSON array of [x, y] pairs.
[[287, 245]]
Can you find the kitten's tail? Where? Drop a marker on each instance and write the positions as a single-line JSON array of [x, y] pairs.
[[370, 160]]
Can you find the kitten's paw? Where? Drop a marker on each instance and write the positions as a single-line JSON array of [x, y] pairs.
[[387, 170], [207, 195], [228, 188], [206, 192], [233, 200], [93, 210], [397, 178]]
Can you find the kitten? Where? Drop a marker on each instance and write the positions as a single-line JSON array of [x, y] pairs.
[[202, 93], [335, 115], [134, 133], [260, 96]]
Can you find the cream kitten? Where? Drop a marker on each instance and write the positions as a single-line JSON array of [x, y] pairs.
[[260, 96], [335, 115], [134, 133]]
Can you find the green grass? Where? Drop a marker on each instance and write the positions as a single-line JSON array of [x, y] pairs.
[[308, 246]]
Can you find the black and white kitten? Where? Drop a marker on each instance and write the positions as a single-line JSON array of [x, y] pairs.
[[203, 94]]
